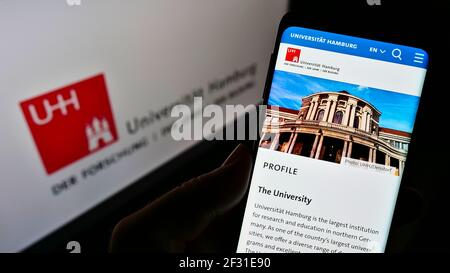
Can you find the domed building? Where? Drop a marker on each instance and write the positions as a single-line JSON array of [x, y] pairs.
[[332, 125]]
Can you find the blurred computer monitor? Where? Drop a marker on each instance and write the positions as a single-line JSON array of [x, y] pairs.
[[87, 88]]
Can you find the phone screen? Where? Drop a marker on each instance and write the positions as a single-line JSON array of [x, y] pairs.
[[338, 124]]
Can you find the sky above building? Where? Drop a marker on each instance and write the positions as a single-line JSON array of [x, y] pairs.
[[398, 110]]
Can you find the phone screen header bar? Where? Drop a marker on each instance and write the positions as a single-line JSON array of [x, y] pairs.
[[356, 46]]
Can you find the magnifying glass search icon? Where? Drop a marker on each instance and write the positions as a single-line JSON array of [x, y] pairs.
[[397, 54]]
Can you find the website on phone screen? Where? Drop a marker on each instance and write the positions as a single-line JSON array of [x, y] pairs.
[[334, 143]]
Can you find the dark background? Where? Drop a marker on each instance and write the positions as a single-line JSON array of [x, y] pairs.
[[419, 223]]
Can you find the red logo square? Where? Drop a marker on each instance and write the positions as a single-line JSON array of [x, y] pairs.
[[293, 55], [71, 122]]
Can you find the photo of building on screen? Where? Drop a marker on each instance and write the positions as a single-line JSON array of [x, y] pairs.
[[332, 125]]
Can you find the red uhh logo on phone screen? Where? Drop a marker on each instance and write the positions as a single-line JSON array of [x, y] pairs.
[[293, 55], [71, 122]]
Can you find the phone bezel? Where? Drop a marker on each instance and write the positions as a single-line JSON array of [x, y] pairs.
[[293, 19]]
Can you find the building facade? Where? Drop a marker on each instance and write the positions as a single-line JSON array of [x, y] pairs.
[[333, 125]]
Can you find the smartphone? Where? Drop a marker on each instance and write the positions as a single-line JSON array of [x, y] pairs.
[[340, 114]]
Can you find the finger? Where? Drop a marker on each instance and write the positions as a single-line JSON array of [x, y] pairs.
[[179, 216]]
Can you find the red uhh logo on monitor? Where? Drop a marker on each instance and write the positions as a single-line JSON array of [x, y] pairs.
[[70, 123], [293, 55]]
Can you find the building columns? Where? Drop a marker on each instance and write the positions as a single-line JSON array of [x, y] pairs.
[[372, 155], [319, 147], [347, 114], [313, 114], [387, 160], [344, 150], [332, 111], [363, 121], [275, 141], [310, 110], [352, 116], [292, 143], [366, 127], [288, 143], [313, 150], [327, 111], [350, 147], [262, 138]]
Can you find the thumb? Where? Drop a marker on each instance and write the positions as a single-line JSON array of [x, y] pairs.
[[180, 215]]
